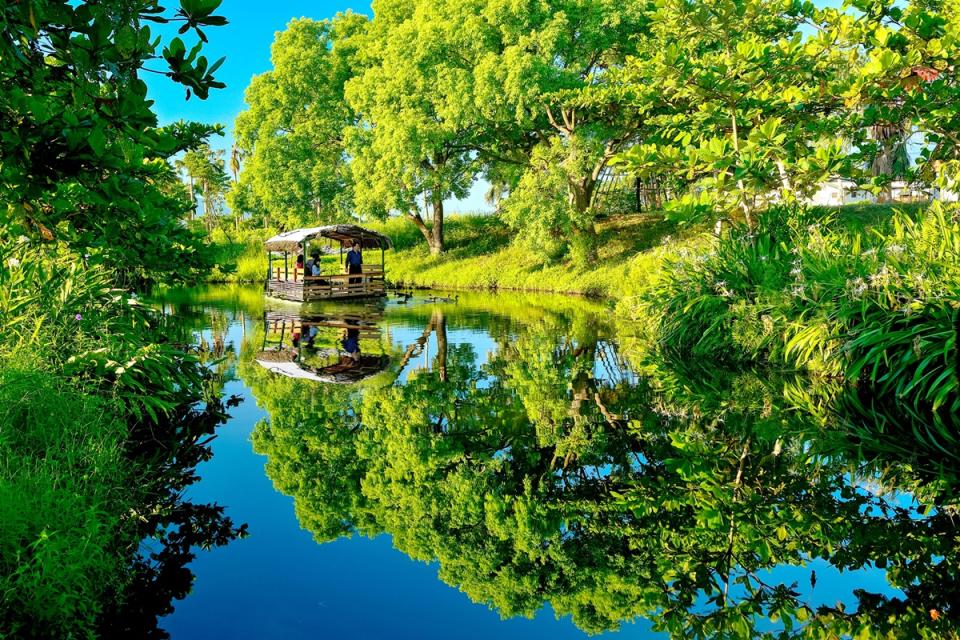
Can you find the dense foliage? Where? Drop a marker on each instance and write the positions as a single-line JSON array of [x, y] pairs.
[[102, 422], [83, 159], [102, 416], [291, 137], [722, 108], [550, 472]]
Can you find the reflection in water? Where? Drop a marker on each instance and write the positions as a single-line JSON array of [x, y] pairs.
[[552, 465], [322, 348], [553, 471]]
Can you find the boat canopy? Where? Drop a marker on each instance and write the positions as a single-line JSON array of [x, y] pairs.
[[286, 362], [292, 241]]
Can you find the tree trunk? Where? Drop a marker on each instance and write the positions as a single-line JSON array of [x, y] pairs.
[[434, 233], [580, 198], [193, 200], [436, 240], [420, 224], [439, 323], [206, 208]]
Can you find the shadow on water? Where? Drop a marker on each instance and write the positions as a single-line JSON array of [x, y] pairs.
[[563, 468], [172, 526]]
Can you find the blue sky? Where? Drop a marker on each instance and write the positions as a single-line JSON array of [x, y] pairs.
[[246, 41]]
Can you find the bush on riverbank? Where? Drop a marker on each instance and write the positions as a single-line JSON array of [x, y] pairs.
[[98, 435], [876, 304]]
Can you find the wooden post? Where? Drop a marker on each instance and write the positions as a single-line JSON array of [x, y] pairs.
[[286, 267], [269, 265]]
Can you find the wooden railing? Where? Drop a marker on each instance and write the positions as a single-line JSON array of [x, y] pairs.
[[295, 274], [352, 285]]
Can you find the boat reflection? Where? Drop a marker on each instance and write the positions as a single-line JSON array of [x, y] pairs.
[[341, 347]]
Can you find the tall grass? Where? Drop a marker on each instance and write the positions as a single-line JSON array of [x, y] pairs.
[[96, 421], [239, 256], [61, 467], [876, 306]]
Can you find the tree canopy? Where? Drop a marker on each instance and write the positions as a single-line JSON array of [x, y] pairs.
[[724, 107], [291, 135], [84, 160]]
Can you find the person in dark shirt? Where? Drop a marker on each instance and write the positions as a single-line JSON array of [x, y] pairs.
[[313, 264], [351, 344], [355, 262]]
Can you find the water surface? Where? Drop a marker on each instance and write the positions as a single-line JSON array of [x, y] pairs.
[[479, 466]]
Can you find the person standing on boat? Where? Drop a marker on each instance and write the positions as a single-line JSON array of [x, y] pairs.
[[355, 261]]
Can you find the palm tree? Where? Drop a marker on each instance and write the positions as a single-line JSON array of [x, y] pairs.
[[205, 168], [182, 166], [236, 155], [496, 194]]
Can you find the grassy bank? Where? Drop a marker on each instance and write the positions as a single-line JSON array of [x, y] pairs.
[[480, 254], [101, 423], [632, 251]]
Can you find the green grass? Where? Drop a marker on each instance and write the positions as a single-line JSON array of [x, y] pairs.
[[61, 473], [480, 254], [239, 256], [95, 412]]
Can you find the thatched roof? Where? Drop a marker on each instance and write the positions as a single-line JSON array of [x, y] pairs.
[[345, 233]]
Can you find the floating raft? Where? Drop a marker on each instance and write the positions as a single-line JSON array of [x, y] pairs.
[[290, 282]]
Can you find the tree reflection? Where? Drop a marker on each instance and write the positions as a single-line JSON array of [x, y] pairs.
[[553, 473]]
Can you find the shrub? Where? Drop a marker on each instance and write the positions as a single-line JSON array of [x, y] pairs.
[[61, 463], [100, 419], [539, 209], [878, 307]]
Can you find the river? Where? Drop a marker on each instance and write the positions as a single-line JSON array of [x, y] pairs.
[[518, 466]]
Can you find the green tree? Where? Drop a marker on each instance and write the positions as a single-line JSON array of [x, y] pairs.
[[552, 79], [451, 90], [907, 83], [208, 178], [419, 130], [292, 133], [751, 107], [83, 157]]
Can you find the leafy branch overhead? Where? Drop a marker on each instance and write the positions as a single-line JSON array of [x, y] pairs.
[[84, 160]]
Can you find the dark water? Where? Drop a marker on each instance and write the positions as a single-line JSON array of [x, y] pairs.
[[519, 466]]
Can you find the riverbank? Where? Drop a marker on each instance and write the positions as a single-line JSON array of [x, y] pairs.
[[480, 253], [103, 417]]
